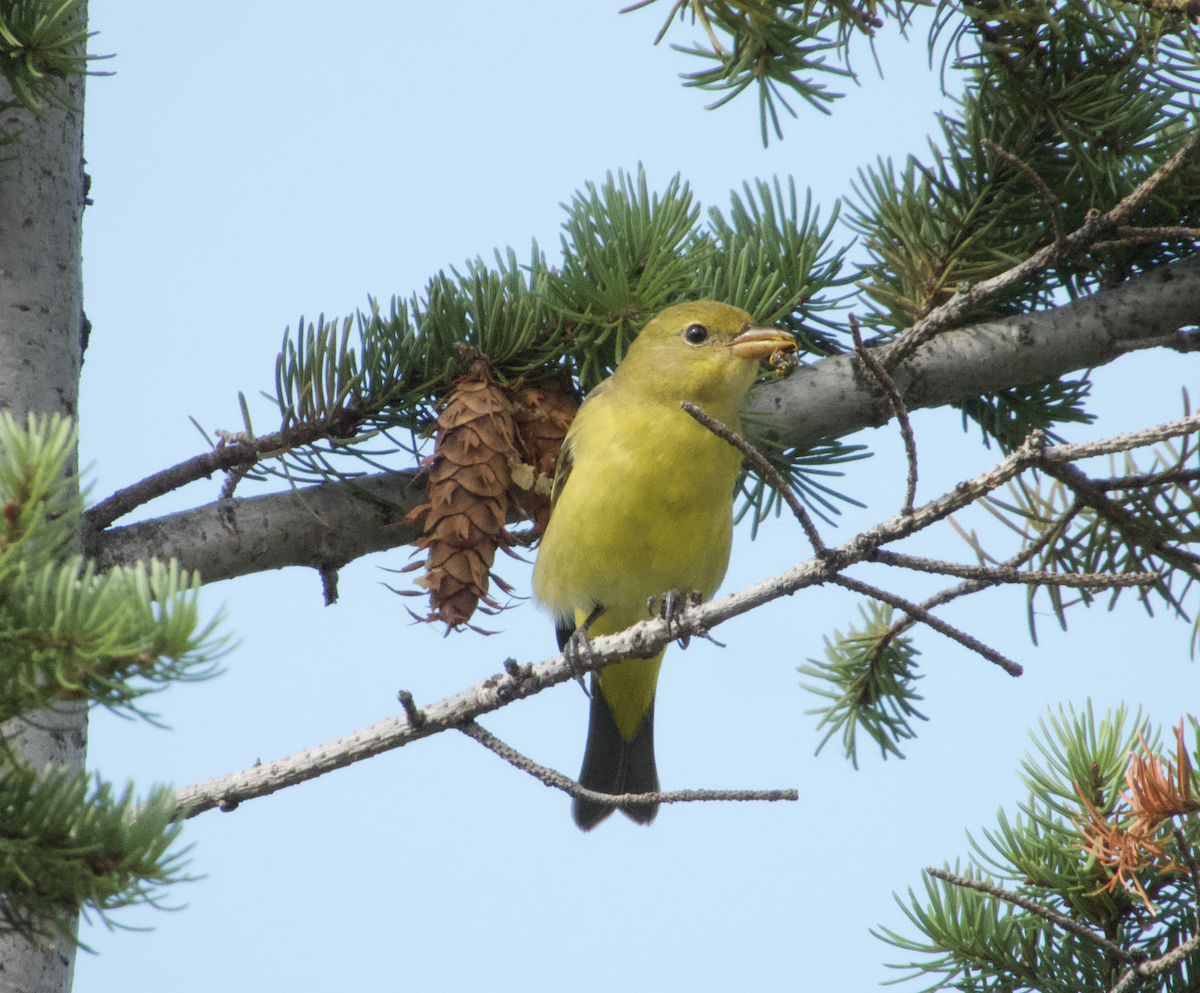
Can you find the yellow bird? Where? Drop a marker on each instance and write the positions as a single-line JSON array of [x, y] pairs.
[[643, 505]]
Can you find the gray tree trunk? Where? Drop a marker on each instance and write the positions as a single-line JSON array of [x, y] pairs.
[[41, 350]]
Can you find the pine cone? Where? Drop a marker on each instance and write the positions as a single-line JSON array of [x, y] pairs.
[[468, 502], [543, 414]]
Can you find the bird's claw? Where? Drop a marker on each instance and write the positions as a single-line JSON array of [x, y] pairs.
[[577, 646], [672, 606]]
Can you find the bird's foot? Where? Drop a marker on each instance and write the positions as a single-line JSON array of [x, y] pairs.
[[671, 607], [578, 646]]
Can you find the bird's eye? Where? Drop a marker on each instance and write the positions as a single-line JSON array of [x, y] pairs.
[[697, 334]]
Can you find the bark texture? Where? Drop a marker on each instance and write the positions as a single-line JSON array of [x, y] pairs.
[[321, 527], [830, 398], [41, 351], [41, 283]]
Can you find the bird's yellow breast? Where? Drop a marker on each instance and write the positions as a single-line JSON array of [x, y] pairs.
[[647, 508]]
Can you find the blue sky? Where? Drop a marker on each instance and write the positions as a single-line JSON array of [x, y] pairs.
[[258, 161]]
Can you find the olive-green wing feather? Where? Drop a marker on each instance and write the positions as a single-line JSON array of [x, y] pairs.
[[562, 472]]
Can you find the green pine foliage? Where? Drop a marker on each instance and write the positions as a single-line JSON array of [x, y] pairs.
[[69, 634], [1149, 509], [769, 259], [868, 676], [66, 632], [771, 46], [1008, 417], [67, 845], [1043, 869], [41, 43], [1083, 113], [626, 255], [353, 387], [782, 50]]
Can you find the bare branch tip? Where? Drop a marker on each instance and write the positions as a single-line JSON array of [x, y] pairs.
[[416, 716]]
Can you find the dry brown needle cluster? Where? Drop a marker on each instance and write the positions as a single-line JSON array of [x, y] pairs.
[[491, 452], [1132, 838]]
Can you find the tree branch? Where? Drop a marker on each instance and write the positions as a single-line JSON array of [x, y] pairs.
[[975, 585], [825, 400], [560, 782], [640, 641], [322, 527], [828, 399], [1053, 203], [1005, 575], [1135, 530], [1133, 978], [884, 379], [1066, 923], [242, 454], [926, 618], [764, 468], [1078, 241], [1171, 477], [643, 640]]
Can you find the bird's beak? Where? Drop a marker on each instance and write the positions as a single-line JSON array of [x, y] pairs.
[[758, 343]]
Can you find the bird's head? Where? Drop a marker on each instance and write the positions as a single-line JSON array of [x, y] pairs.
[[704, 352]]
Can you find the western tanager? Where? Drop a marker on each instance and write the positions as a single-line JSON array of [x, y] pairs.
[[642, 505]]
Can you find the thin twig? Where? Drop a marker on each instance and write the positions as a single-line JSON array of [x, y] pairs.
[[329, 583], [232, 478], [130, 498], [414, 714], [1048, 535], [885, 382], [1122, 442], [1094, 225], [241, 454], [767, 471], [1155, 179], [1125, 521], [1142, 970], [1171, 476], [975, 585], [1048, 197], [1137, 236], [937, 624], [1006, 575], [1066, 923], [574, 790]]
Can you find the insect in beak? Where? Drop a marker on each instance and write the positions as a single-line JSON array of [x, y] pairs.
[[759, 343]]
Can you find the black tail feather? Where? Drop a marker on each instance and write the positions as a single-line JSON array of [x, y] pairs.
[[613, 765]]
